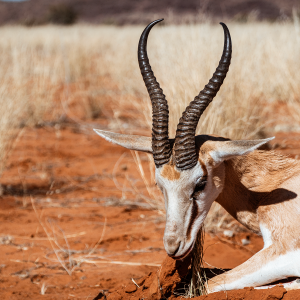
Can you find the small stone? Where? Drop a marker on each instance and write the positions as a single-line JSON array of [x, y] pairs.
[[130, 288], [245, 242], [228, 233]]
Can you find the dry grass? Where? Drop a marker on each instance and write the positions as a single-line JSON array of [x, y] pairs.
[[198, 285], [12, 107], [264, 69]]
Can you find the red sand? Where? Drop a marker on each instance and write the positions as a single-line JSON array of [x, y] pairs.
[[69, 175]]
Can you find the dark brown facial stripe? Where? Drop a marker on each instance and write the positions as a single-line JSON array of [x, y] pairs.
[[194, 216]]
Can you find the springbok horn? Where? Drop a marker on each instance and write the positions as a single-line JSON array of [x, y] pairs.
[[185, 147], [160, 112]]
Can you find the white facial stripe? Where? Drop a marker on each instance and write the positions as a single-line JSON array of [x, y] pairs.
[[179, 205]]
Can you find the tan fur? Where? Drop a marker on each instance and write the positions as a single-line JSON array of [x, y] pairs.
[[250, 179], [263, 171], [169, 172], [202, 164], [262, 188]]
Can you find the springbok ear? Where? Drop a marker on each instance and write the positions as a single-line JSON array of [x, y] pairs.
[[220, 151], [131, 142]]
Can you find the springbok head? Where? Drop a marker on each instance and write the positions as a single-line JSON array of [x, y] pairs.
[[189, 169]]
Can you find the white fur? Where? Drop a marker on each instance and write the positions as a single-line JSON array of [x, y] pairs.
[[228, 149], [132, 142], [267, 236], [282, 266]]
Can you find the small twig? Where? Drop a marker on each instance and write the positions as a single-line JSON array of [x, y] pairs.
[[99, 241], [49, 237], [115, 262], [135, 283], [46, 238]]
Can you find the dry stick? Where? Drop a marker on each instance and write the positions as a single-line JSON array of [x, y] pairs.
[[53, 240], [158, 201], [137, 192], [45, 239], [115, 262], [114, 174], [50, 238], [96, 245], [133, 189], [198, 282], [140, 168], [58, 245], [83, 258]]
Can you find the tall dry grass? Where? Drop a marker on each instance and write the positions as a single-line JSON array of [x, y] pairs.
[[11, 107], [264, 69]]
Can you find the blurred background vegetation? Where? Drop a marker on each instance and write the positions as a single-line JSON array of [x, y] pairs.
[[120, 12]]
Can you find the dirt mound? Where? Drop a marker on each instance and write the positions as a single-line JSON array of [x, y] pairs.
[[170, 277], [170, 281]]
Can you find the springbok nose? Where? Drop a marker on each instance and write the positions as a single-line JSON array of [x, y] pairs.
[[172, 246]]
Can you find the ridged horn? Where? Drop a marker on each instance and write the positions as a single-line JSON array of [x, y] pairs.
[[185, 147], [160, 111]]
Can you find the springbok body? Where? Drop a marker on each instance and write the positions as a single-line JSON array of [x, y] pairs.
[[258, 188]]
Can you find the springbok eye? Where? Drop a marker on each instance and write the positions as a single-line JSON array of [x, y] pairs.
[[200, 185]]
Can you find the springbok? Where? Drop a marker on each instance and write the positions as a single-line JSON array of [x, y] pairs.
[[258, 188]]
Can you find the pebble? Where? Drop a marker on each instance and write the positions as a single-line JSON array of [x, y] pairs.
[[228, 233], [245, 242]]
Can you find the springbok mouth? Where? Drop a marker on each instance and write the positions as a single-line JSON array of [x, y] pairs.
[[185, 254]]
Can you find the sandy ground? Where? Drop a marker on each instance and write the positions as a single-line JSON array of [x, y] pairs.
[[82, 238]]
